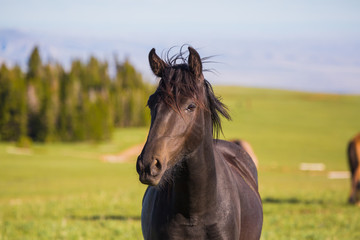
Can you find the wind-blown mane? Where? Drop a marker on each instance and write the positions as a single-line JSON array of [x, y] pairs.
[[178, 81]]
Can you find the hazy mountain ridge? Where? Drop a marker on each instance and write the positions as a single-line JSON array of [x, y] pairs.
[[315, 65], [16, 46]]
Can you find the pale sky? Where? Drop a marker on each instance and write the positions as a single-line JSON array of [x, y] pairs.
[[274, 43], [267, 18]]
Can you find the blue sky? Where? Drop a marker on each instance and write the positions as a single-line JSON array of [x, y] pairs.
[[108, 18], [305, 45]]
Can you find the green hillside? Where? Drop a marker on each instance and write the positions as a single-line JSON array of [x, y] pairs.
[[287, 128], [64, 191]]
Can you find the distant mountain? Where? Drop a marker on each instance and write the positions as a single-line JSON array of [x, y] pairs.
[[16, 47], [314, 65]]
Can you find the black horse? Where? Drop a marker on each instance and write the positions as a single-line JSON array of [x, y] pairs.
[[354, 164], [200, 188]]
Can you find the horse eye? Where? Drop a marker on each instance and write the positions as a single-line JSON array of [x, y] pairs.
[[191, 107]]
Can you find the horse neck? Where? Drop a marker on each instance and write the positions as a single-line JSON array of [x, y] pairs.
[[195, 189]]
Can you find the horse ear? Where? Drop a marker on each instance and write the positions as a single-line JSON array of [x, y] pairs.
[[195, 64], [156, 63]]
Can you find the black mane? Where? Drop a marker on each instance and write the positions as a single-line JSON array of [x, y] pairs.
[[178, 81]]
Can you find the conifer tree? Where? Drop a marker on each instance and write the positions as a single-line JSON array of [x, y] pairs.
[[36, 127], [12, 104], [47, 103]]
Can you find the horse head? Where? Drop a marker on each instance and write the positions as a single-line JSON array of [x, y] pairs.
[[177, 116]]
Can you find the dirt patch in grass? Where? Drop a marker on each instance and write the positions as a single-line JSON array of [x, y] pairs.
[[123, 156]]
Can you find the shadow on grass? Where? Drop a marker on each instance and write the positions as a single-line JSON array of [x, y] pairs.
[[106, 217], [292, 201]]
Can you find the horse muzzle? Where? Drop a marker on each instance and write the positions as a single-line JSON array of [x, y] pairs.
[[151, 171]]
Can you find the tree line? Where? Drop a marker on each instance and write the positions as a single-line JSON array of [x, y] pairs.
[[47, 103]]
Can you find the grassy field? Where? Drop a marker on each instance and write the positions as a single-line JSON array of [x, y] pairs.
[[64, 191]]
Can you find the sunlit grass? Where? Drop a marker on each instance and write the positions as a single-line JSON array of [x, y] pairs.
[[64, 190]]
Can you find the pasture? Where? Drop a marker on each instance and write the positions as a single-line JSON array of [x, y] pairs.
[[64, 191]]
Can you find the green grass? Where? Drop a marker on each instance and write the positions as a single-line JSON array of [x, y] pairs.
[[64, 191]]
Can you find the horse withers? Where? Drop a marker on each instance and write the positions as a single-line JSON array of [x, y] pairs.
[[354, 160], [199, 187]]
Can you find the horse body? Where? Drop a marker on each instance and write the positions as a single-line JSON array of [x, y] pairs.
[[354, 164], [209, 209], [200, 188]]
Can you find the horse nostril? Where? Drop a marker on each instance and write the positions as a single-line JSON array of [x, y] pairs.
[[158, 164], [155, 167]]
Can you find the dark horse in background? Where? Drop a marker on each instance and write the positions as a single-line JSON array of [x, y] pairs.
[[200, 188], [354, 164]]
